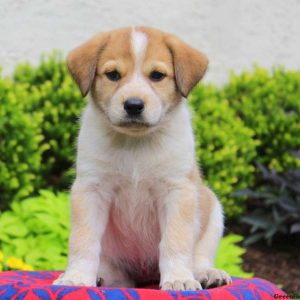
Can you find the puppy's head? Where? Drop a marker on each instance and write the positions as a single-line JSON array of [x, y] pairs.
[[136, 75]]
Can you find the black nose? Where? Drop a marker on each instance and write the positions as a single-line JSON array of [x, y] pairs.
[[134, 106]]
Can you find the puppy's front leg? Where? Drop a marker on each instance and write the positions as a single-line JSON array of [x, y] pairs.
[[179, 224], [89, 214]]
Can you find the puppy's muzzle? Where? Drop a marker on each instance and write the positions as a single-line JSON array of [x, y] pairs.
[[134, 107]]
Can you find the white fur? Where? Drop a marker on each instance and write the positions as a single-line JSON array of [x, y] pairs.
[[139, 43]]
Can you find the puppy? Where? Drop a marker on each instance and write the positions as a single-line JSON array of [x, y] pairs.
[[139, 208]]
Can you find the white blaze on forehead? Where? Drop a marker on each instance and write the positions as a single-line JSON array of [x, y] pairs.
[[137, 86], [139, 43]]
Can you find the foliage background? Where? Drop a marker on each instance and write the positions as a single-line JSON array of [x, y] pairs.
[[251, 123]]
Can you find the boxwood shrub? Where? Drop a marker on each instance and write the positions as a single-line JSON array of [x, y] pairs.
[[269, 103], [20, 144], [225, 146], [60, 102]]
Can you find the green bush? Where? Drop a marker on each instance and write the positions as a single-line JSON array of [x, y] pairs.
[[20, 144], [256, 112], [225, 146], [229, 256], [36, 230], [269, 103], [59, 100]]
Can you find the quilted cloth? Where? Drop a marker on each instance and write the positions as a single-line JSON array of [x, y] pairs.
[[19, 285]]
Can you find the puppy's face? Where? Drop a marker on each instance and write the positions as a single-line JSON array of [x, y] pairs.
[[136, 75]]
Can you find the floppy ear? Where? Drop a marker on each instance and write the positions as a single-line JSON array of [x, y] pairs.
[[82, 61], [189, 64]]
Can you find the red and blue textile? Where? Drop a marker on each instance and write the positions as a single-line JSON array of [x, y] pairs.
[[26, 285]]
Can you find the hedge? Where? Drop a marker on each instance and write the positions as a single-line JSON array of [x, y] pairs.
[[20, 144], [225, 147], [269, 103], [60, 103]]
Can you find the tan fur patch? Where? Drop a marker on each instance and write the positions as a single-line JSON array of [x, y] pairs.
[[83, 230], [181, 61], [118, 49], [190, 65], [195, 176], [207, 203], [159, 58], [113, 57], [83, 59], [188, 206], [207, 199]]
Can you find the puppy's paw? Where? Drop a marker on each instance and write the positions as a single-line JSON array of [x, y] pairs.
[[181, 285], [73, 278], [212, 277]]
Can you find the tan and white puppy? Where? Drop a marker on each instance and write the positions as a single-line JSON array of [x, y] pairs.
[[139, 209]]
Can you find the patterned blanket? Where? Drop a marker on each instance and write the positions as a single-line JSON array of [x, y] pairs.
[[19, 285]]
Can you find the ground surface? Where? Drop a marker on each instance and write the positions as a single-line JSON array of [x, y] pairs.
[[280, 266], [278, 263]]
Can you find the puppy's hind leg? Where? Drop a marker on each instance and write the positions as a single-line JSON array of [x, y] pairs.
[[110, 275], [206, 247]]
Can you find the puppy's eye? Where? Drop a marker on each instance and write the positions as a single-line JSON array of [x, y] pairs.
[[113, 75], [157, 76]]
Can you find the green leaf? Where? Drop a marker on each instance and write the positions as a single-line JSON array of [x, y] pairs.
[[32, 231], [253, 238], [229, 256]]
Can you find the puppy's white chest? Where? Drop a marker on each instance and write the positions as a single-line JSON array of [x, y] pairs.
[[132, 235]]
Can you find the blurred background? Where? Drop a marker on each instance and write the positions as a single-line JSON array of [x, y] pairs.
[[246, 118], [233, 34]]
